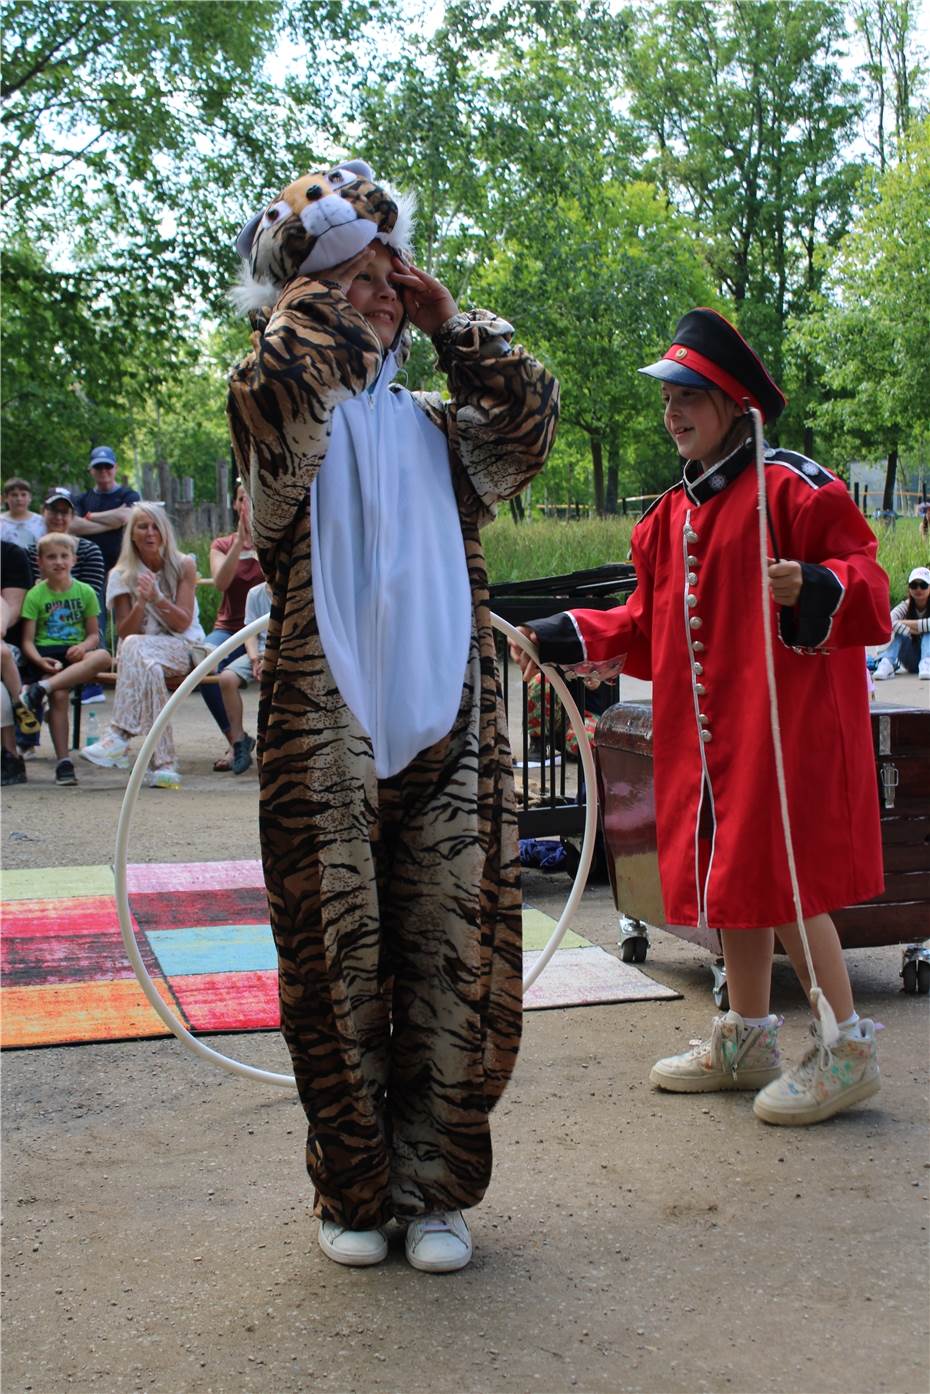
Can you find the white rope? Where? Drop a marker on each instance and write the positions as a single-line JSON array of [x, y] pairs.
[[130, 799], [819, 1004]]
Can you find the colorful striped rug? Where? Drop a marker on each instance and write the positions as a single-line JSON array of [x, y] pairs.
[[204, 937]]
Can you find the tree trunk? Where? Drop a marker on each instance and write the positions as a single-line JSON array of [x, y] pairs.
[[517, 511], [891, 474], [597, 464], [613, 473]]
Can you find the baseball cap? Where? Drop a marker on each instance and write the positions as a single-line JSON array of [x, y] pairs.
[[102, 455], [58, 497], [920, 573]]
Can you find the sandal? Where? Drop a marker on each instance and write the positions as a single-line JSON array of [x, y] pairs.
[[224, 763], [26, 720]]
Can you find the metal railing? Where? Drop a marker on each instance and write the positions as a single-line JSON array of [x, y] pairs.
[[550, 784]]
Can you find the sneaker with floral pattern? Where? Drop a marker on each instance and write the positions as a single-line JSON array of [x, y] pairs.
[[828, 1079], [737, 1056]]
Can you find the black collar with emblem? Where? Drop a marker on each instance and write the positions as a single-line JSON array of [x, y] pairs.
[[701, 485]]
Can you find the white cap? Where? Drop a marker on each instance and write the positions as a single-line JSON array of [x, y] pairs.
[[920, 573]]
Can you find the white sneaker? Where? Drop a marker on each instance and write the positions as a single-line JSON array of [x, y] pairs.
[[923, 669], [111, 752], [356, 1248], [737, 1056], [439, 1243], [884, 670], [827, 1080], [165, 778]]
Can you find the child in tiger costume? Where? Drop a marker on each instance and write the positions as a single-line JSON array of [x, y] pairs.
[[387, 812]]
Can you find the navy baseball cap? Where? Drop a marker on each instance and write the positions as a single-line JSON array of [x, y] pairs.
[[709, 351], [102, 455]]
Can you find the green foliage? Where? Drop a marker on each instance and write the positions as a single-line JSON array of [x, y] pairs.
[[135, 137], [867, 332], [589, 171]]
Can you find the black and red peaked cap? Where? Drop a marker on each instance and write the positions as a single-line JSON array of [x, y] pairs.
[[709, 352]]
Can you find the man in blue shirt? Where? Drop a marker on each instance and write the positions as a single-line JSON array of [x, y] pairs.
[[104, 510]]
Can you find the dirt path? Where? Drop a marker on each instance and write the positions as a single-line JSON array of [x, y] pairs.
[[156, 1228]]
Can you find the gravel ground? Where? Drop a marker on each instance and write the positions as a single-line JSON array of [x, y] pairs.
[[157, 1235]]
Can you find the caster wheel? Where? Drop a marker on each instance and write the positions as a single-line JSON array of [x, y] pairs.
[[909, 976], [722, 997], [628, 950], [641, 948], [923, 978]]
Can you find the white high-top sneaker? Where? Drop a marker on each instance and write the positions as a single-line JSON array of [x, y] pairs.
[[884, 671], [737, 1056], [828, 1079]]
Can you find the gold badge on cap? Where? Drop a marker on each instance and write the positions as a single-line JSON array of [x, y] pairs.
[[681, 353]]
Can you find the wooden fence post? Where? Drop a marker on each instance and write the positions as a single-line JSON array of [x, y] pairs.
[[164, 482], [222, 493]]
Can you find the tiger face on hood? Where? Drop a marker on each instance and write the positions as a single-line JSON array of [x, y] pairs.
[[318, 222]]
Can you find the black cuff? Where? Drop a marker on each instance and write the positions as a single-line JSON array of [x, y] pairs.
[[808, 624], [558, 639]]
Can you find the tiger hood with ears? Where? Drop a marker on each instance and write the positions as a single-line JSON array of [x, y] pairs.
[[315, 223]]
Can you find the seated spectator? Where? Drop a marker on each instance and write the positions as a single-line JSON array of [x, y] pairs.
[[12, 765], [910, 626], [18, 525], [151, 591], [240, 672], [15, 581], [235, 569], [60, 642], [58, 515]]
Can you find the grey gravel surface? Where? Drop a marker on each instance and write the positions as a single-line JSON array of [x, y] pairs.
[[157, 1237]]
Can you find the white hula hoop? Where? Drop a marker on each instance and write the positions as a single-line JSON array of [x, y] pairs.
[[130, 798]]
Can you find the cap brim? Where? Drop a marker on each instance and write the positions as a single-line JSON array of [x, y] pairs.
[[668, 371]]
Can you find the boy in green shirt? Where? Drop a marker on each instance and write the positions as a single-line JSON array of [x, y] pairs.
[[60, 641]]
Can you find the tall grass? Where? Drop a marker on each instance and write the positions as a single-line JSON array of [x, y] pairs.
[[549, 547]]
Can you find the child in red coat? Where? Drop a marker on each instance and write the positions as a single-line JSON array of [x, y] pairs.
[[694, 626]]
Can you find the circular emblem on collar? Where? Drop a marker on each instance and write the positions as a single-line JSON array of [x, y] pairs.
[[717, 482], [810, 468], [681, 353]]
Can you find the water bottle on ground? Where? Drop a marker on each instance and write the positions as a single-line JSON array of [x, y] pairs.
[[93, 730]]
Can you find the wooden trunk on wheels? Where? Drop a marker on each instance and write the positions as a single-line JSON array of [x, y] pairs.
[[901, 741]]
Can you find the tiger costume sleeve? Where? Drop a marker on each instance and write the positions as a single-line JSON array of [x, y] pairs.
[[315, 351], [504, 407]]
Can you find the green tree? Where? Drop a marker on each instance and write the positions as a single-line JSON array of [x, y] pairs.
[[868, 330], [750, 118], [597, 293], [135, 137]]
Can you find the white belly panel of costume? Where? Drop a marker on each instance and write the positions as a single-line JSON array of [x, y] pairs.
[[390, 580]]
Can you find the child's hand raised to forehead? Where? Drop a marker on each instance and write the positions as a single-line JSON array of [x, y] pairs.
[[427, 302], [346, 272]]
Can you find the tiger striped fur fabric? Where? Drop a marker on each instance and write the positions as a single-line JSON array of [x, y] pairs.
[[395, 903]]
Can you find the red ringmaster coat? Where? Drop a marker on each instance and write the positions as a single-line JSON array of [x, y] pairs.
[[694, 626]]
